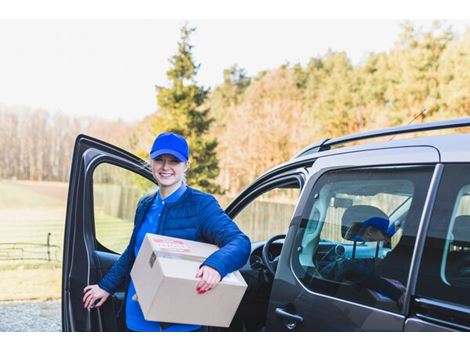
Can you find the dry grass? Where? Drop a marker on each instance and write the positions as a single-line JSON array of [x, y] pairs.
[[30, 284], [28, 212]]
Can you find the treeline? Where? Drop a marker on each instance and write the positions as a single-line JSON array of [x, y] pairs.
[[37, 145], [264, 120]]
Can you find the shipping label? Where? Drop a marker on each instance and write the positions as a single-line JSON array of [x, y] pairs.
[[173, 246]]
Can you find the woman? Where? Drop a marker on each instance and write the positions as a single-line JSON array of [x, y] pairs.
[[180, 211]]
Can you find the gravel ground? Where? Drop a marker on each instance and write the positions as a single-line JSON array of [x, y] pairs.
[[30, 316]]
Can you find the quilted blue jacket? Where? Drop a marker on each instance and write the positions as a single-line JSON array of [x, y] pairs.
[[195, 216]]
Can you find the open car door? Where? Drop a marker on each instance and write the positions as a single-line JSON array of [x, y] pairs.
[[105, 185]]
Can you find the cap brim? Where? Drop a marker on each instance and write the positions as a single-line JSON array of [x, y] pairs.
[[174, 153]]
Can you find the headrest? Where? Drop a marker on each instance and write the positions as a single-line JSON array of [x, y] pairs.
[[366, 223], [461, 231]]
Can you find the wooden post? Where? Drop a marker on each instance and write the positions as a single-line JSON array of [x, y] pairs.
[[48, 246]]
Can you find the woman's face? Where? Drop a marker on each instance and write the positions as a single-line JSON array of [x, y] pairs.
[[168, 171]]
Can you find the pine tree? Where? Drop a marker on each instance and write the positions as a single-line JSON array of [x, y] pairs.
[[181, 111]]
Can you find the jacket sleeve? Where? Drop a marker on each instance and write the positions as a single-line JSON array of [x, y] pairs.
[[122, 268], [218, 228]]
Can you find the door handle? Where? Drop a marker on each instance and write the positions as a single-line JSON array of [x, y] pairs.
[[291, 319]]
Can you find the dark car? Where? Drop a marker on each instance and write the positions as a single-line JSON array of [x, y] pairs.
[[366, 237]]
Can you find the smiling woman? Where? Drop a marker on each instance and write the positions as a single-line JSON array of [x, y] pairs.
[[168, 170], [175, 210]]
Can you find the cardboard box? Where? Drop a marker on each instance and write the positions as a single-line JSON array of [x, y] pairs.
[[164, 276]]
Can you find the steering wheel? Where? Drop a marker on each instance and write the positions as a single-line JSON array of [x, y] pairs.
[[270, 265]]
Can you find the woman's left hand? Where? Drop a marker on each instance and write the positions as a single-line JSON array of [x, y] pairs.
[[209, 279]]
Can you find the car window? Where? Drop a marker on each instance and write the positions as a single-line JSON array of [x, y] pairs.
[[116, 192], [357, 234], [269, 213], [445, 266]]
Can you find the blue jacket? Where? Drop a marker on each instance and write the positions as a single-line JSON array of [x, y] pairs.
[[195, 216]]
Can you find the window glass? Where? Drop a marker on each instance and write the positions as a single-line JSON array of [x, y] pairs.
[[116, 192], [270, 213], [445, 267], [357, 235]]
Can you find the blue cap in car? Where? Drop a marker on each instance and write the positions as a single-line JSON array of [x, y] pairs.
[[171, 144], [378, 223]]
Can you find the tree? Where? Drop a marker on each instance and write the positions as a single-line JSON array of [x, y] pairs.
[[454, 87], [261, 129], [330, 95], [182, 111], [414, 72]]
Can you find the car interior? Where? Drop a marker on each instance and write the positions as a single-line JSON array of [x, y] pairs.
[[458, 257]]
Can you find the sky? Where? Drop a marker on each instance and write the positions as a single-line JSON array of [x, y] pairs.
[[109, 68]]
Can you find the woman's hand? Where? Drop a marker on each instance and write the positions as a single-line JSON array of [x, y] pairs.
[[93, 293], [209, 279]]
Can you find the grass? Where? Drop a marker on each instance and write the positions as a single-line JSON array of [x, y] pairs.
[[30, 195], [112, 232], [39, 283], [28, 212]]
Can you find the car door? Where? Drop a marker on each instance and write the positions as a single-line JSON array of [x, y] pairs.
[[441, 300], [328, 280], [105, 185]]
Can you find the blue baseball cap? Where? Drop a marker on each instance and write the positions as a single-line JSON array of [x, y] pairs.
[[378, 223], [172, 144]]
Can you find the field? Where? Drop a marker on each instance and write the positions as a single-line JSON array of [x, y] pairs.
[[29, 211]]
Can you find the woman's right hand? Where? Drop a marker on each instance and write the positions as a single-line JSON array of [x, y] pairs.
[[92, 294]]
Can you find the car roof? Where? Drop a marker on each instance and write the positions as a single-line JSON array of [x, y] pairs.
[[452, 148], [449, 146]]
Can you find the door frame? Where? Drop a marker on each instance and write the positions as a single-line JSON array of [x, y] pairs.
[[80, 265]]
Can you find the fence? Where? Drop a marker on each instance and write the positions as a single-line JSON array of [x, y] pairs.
[[30, 251]]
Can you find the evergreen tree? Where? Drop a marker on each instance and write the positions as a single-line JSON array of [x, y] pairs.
[[414, 74], [330, 94], [181, 111]]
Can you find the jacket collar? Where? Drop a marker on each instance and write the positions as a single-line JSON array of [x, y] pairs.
[[148, 200]]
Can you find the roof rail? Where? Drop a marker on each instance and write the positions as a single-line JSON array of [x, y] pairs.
[[326, 144]]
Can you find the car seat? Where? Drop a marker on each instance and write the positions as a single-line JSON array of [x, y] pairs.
[[458, 259]]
